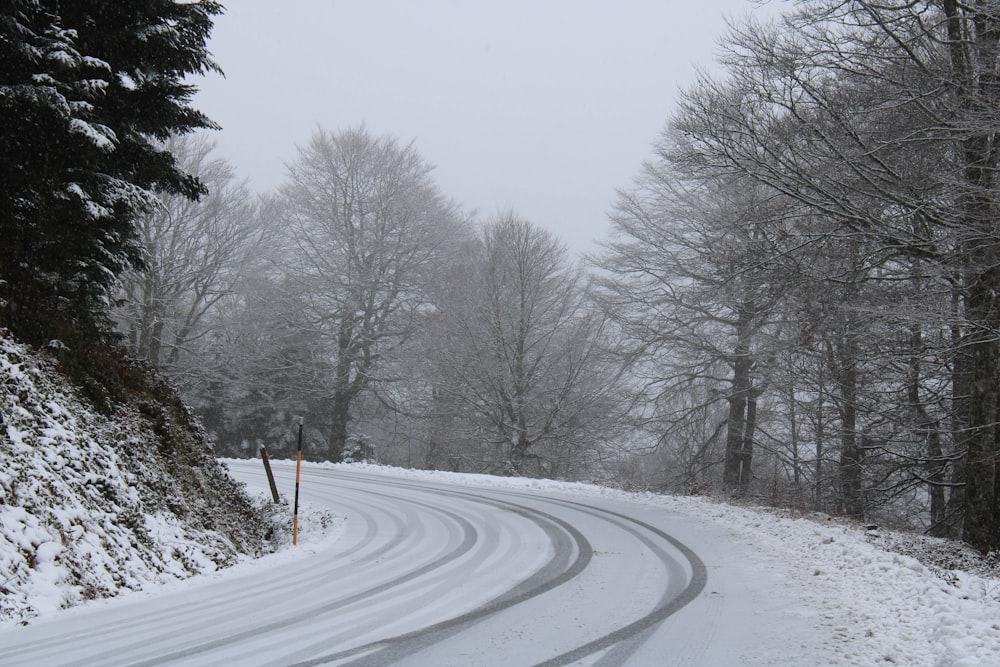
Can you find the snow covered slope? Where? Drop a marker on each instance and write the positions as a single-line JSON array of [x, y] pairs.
[[91, 504]]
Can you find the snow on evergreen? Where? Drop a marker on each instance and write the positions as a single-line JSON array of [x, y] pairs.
[[93, 504]]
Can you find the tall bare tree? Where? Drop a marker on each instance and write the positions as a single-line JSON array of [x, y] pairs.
[[519, 355], [881, 118], [688, 281], [193, 255], [365, 223]]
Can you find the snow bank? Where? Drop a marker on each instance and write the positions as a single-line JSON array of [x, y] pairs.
[[89, 506]]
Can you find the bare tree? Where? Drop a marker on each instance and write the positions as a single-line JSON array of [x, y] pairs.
[[519, 357], [881, 117], [689, 281], [193, 254], [365, 222]]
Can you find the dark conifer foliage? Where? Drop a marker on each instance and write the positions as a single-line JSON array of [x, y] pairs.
[[87, 87]]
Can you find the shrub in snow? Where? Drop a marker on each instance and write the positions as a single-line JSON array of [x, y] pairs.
[[357, 450]]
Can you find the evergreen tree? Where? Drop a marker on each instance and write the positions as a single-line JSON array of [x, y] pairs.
[[88, 88]]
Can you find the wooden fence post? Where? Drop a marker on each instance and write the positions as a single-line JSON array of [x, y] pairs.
[[270, 475]]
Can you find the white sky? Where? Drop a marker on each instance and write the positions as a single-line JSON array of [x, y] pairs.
[[543, 107]]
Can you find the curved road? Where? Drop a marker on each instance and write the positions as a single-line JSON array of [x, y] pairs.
[[427, 573]]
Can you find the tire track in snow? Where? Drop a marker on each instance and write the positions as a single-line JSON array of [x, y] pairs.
[[468, 541], [561, 568], [140, 639], [430, 535], [617, 645], [671, 602], [174, 618]]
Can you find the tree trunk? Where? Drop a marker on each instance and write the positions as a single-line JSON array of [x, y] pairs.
[[845, 359], [960, 378], [339, 416], [974, 35], [793, 430], [156, 342], [936, 480], [519, 451], [736, 426], [746, 452], [930, 430], [820, 453], [981, 524], [734, 440], [851, 459], [343, 395]]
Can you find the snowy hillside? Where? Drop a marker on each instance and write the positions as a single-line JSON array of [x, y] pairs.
[[91, 504]]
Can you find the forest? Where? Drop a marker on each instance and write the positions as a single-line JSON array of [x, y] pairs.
[[797, 303]]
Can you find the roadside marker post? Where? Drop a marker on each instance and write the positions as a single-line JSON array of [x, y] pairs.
[[270, 475], [298, 470]]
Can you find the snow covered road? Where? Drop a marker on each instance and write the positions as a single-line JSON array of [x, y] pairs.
[[426, 572]]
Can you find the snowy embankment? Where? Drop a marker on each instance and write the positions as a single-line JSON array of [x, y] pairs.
[[93, 504], [873, 597]]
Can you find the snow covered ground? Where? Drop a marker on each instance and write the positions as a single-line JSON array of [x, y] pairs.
[[813, 591], [865, 605]]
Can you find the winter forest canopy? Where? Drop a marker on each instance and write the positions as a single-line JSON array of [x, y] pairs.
[[798, 303]]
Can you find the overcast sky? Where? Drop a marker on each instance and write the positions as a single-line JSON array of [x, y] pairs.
[[543, 107]]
